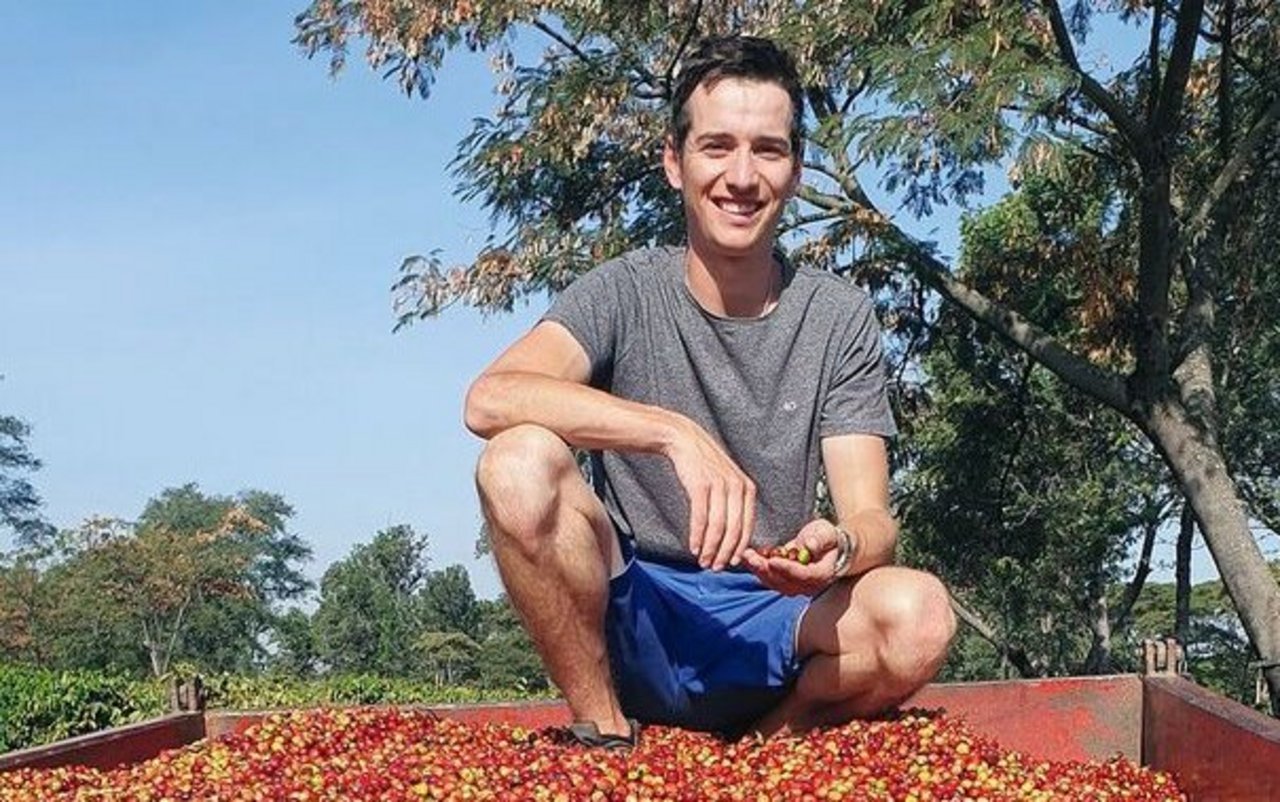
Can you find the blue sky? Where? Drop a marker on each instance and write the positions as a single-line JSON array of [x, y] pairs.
[[198, 232]]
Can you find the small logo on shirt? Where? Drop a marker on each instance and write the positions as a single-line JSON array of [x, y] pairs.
[[788, 406]]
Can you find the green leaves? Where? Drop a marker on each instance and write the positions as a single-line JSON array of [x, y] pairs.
[[39, 706]]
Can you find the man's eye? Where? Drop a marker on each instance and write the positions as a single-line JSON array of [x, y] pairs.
[[715, 149]]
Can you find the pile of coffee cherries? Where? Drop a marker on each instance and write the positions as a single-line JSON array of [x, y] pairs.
[[390, 754]]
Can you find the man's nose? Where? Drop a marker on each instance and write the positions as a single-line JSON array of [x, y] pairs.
[[741, 173]]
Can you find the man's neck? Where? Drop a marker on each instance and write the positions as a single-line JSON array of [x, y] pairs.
[[743, 287]]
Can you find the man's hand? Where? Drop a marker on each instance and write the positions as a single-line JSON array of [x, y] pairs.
[[790, 577], [722, 499]]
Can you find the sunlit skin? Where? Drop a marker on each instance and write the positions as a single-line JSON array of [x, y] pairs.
[[735, 173]]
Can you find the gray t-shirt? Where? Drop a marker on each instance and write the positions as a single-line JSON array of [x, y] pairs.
[[768, 388]]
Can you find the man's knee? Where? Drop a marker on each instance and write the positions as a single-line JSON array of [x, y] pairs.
[[916, 620], [519, 476]]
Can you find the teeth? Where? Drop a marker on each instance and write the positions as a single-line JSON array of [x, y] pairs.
[[737, 207]]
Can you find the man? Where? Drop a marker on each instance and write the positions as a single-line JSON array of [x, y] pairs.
[[711, 384]]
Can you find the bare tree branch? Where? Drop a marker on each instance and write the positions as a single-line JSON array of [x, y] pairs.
[[1173, 89], [1106, 386], [1244, 151], [823, 200], [1013, 654], [1153, 58], [670, 74], [572, 47], [1134, 134], [1140, 573]]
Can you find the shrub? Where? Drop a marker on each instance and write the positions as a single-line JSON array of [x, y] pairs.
[[39, 706]]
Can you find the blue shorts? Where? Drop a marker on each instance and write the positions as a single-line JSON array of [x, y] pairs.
[[698, 649]]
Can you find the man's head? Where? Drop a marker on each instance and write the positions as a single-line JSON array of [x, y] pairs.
[[746, 57], [733, 151]]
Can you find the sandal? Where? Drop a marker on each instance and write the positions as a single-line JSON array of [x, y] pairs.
[[587, 734]]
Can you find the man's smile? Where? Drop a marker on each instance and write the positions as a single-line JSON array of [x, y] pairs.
[[738, 207]]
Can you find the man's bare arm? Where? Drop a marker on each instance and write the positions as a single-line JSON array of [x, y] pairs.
[[541, 379], [857, 468], [858, 478]]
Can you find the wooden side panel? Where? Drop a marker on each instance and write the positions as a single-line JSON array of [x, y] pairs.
[[1217, 748], [1073, 718], [527, 714], [131, 743]]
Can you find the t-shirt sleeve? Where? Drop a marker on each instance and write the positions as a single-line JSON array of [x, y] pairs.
[[589, 308], [857, 401]]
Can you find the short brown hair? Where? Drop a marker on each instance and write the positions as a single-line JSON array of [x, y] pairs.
[[749, 57]]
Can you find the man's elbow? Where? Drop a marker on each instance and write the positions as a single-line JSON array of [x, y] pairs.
[[479, 414]]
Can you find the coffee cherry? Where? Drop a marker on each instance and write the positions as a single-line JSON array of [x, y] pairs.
[[401, 755], [796, 554]]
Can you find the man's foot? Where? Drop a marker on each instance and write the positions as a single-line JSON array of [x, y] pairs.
[[587, 734]]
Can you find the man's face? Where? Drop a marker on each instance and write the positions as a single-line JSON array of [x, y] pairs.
[[736, 170]]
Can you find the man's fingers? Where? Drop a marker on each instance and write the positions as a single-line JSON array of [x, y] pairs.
[[748, 522], [732, 528], [714, 534], [697, 518]]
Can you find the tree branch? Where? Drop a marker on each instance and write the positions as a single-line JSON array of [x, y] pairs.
[[177, 627], [1013, 654], [670, 73], [572, 47], [823, 200], [809, 219], [1173, 89], [1134, 134], [1134, 588], [1153, 58], [1244, 151], [1105, 386]]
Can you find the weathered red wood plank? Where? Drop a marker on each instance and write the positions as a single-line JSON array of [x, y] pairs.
[[1071, 718], [1217, 748], [131, 743]]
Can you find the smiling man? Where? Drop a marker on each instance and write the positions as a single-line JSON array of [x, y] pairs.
[[712, 384]]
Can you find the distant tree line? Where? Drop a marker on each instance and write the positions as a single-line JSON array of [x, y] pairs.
[[213, 583]]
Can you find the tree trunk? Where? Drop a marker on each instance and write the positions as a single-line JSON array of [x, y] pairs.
[[1201, 471], [1182, 577], [1098, 660]]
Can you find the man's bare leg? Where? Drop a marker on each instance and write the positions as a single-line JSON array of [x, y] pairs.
[[555, 548], [870, 643]]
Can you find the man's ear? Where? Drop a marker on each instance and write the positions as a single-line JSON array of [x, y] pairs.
[[671, 162]]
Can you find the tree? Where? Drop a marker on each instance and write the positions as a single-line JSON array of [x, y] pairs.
[[507, 658], [19, 502], [155, 577], [450, 656], [227, 633], [369, 614], [197, 578], [1012, 487], [930, 93], [449, 603], [296, 651]]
